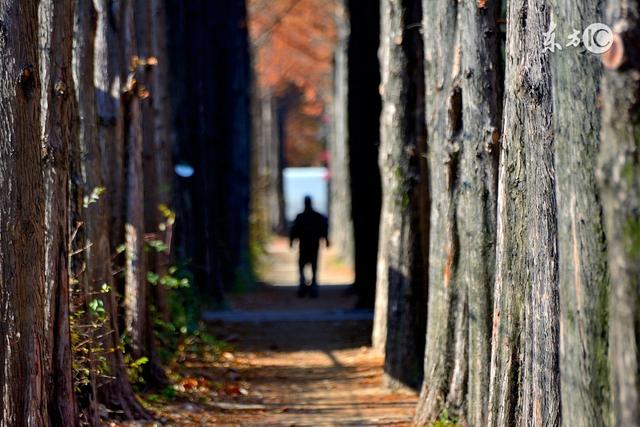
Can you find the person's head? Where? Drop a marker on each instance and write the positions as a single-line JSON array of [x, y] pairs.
[[308, 204]]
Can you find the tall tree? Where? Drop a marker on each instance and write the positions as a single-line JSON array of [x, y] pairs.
[[340, 225], [55, 22], [582, 269], [619, 176], [135, 288], [476, 217], [363, 113], [525, 379], [151, 184], [161, 154], [463, 124], [445, 350], [23, 352], [213, 136], [91, 65], [399, 324]]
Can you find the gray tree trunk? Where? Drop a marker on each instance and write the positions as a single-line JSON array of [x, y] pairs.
[[446, 341], [340, 224], [463, 124], [525, 378], [268, 150], [619, 177], [399, 323], [24, 374], [481, 128], [55, 22], [582, 269]]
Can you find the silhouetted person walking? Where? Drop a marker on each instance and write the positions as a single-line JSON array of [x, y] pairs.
[[309, 228]]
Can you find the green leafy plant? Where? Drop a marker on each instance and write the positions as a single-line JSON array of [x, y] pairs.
[[168, 279], [93, 197], [135, 367], [89, 324], [446, 420]]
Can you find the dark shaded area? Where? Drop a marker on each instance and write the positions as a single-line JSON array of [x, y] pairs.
[[210, 89], [297, 336], [406, 326], [364, 105]]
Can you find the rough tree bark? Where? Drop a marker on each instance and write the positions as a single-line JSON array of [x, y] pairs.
[[110, 109], [446, 342], [463, 124], [22, 255], [476, 216], [582, 269], [92, 81], [619, 177], [525, 378], [55, 22], [162, 141], [399, 324], [135, 292], [151, 187]]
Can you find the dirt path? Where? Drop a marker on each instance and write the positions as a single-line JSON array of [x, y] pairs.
[[295, 362], [310, 374]]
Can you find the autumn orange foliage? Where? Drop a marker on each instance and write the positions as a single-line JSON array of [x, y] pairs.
[[293, 44]]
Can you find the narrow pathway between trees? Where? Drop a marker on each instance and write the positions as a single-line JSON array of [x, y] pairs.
[[294, 362]]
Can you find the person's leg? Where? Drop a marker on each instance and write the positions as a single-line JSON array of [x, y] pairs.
[[314, 281], [302, 287], [314, 268]]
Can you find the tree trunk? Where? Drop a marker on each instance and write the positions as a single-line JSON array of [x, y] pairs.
[[525, 380], [463, 123], [476, 216], [266, 149], [582, 269], [363, 127], [150, 168], [399, 324], [162, 143], [91, 65], [619, 177], [23, 351], [340, 225], [55, 21], [213, 136], [446, 342], [110, 109], [135, 292]]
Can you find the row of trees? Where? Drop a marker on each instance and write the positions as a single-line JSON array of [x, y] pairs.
[[86, 164], [509, 233], [77, 117]]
